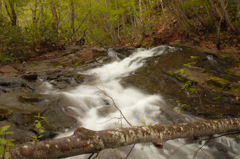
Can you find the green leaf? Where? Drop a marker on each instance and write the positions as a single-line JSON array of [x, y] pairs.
[[10, 144], [8, 133], [3, 141], [38, 125], [11, 140], [2, 150], [4, 128], [41, 130], [40, 136]]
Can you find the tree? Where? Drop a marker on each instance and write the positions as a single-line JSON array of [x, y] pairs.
[[54, 16], [85, 141], [41, 14], [72, 17], [12, 15]]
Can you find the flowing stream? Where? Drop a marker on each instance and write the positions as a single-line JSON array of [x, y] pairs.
[[96, 111]]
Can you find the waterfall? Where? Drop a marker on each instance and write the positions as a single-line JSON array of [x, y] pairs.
[[96, 111]]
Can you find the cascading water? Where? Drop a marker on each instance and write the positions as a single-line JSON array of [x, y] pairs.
[[96, 111]]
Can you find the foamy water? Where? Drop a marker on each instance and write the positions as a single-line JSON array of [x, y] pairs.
[[96, 111]]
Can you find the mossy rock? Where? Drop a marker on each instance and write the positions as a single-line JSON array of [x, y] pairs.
[[56, 64]]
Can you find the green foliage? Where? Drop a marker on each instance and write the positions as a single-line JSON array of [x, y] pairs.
[[193, 90], [178, 110], [186, 106], [170, 72], [5, 144], [187, 84], [216, 98], [38, 125], [193, 57], [189, 64], [236, 89], [183, 71]]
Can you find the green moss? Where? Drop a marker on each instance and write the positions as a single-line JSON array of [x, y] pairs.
[[188, 49], [227, 72], [236, 74], [217, 79], [189, 64], [216, 87], [228, 53], [183, 71], [179, 78], [193, 90], [236, 89], [27, 100], [187, 84], [217, 97], [170, 73], [56, 64], [193, 57]]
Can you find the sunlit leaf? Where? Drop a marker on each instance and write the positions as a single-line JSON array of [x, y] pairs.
[[3, 141], [2, 150], [38, 125]]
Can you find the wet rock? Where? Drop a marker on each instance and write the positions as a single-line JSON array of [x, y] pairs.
[[124, 52], [8, 69], [181, 75], [30, 77], [57, 121]]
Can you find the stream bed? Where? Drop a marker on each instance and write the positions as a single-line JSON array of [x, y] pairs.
[[93, 109]]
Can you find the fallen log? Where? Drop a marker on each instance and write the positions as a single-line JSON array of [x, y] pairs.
[[85, 141]]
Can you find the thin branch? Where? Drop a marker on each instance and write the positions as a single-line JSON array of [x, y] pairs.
[[195, 154], [76, 30], [112, 101]]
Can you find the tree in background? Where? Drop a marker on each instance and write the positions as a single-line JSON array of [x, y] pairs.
[[45, 23]]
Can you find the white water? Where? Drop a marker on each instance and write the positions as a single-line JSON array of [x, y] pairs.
[[96, 111]]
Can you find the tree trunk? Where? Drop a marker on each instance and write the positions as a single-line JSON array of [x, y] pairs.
[[34, 13], [238, 4], [219, 27], [85, 141], [229, 23], [12, 15], [41, 15], [214, 9], [164, 13], [196, 14], [0, 8], [182, 23], [141, 14], [72, 18], [54, 16]]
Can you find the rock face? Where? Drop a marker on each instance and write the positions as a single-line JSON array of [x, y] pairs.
[[201, 81]]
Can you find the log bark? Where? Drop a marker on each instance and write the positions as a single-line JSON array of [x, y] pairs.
[[85, 141]]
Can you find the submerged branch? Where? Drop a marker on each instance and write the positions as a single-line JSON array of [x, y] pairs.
[[85, 141]]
